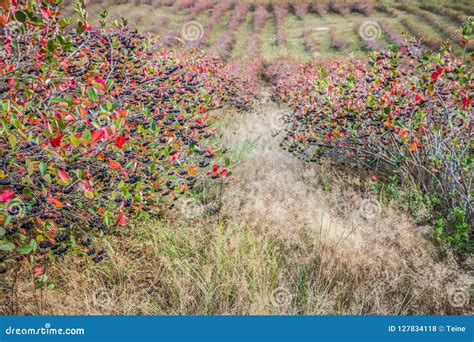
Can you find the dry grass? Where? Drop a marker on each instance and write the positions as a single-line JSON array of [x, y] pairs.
[[191, 268], [289, 239]]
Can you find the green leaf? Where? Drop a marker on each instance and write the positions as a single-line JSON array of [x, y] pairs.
[[80, 28], [6, 246], [29, 167], [25, 249], [51, 45], [75, 142], [86, 136], [79, 173], [118, 123], [20, 16], [47, 178], [12, 140], [92, 94], [42, 167]]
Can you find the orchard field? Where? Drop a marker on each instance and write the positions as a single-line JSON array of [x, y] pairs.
[[236, 157], [300, 29]]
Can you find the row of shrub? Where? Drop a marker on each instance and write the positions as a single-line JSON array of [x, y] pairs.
[[310, 42], [224, 44], [432, 20], [280, 11], [338, 42], [95, 128], [416, 30], [406, 118]]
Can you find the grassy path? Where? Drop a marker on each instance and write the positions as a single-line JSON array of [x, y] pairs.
[[273, 187]]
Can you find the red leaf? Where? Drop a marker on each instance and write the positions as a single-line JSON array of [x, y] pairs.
[[120, 141], [52, 200], [45, 12], [224, 172], [466, 101], [114, 165], [97, 135], [5, 4], [86, 186], [83, 112], [63, 175], [3, 18], [38, 271], [215, 168], [101, 82], [436, 74], [121, 219], [56, 141], [6, 195], [122, 112], [465, 42]]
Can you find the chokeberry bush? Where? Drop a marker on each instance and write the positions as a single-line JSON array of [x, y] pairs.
[[406, 116], [94, 127]]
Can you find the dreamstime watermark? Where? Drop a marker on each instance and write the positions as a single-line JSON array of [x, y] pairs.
[[425, 231], [7, 303], [103, 298], [370, 30], [281, 297], [456, 32], [192, 31], [46, 330], [15, 208], [12, 30], [290, 20], [281, 119], [191, 208], [458, 297], [369, 208]]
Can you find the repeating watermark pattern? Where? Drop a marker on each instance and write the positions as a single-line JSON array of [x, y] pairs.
[[191, 208], [12, 30], [15, 208], [7, 303], [424, 230], [370, 30], [457, 32], [458, 297], [281, 297], [192, 31], [289, 21], [369, 208], [281, 120], [103, 298]]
